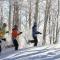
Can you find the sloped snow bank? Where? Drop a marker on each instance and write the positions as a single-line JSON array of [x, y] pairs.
[[50, 52]]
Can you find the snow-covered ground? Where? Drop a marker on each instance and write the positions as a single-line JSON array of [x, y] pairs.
[[51, 52]]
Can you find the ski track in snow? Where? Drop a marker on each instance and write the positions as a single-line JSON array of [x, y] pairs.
[[32, 53]]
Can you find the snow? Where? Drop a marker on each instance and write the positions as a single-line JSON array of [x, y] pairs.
[[50, 52]]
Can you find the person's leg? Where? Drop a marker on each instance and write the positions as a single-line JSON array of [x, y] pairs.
[[15, 44], [31, 41], [35, 41], [0, 46], [4, 39]]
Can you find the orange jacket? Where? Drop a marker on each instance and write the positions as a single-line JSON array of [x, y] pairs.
[[15, 33]]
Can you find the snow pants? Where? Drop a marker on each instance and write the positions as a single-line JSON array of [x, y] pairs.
[[35, 41], [15, 44]]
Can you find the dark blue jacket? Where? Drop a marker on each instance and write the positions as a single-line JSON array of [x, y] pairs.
[[34, 30]]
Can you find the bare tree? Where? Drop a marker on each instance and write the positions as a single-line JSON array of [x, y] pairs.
[[30, 15], [1, 14], [56, 41], [36, 11], [45, 21], [9, 15], [16, 14], [49, 19]]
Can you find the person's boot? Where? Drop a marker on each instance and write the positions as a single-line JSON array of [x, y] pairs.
[[16, 48], [4, 39]]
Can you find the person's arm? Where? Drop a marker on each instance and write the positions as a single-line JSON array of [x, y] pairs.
[[38, 32], [7, 32], [35, 30], [19, 33]]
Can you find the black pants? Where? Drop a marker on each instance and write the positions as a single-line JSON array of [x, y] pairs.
[[0, 48], [35, 41], [15, 44]]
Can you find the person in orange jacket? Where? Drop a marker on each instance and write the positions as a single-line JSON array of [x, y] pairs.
[[15, 33]]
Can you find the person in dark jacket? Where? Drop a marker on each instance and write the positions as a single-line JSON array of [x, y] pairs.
[[34, 34]]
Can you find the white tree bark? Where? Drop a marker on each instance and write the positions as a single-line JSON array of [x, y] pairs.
[[45, 21]]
